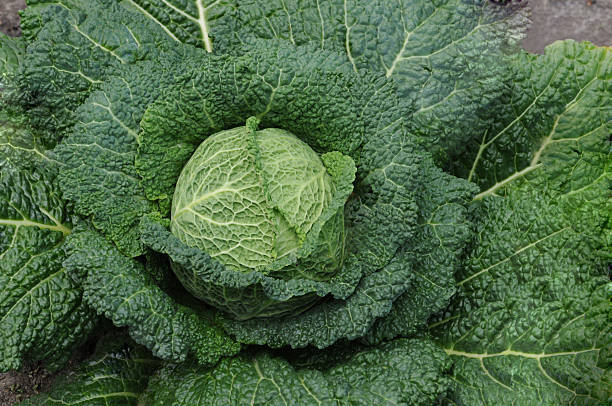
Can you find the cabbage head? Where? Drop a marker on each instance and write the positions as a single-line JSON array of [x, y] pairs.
[[250, 199]]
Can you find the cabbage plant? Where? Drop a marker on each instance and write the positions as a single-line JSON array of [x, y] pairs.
[[304, 202]]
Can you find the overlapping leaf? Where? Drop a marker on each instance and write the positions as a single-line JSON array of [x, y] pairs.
[[398, 372], [74, 46], [11, 55], [553, 125], [42, 312], [120, 288], [116, 375], [531, 322]]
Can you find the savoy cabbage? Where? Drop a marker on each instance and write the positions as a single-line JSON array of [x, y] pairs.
[[305, 202]]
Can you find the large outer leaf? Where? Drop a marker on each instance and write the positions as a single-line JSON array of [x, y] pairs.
[[11, 55], [42, 314], [443, 54], [556, 115], [399, 372], [20, 146], [116, 375], [120, 288], [531, 324], [99, 175], [73, 46]]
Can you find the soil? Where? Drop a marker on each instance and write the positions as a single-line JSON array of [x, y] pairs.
[[552, 20], [9, 17], [582, 20], [16, 386], [33, 378]]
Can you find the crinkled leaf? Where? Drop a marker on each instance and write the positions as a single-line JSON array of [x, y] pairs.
[[116, 375], [78, 44], [436, 253], [21, 146], [530, 324], [99, 174], [399, 372], [444, 55], [11, 56], [405, 175], [556, 118], [42, 314], [120, 288], [531, 321]]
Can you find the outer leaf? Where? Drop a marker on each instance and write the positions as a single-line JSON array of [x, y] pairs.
[[99, 176], [116, 375], [399, 372], [74, 48], [119, 288], [531, 322], [11, 55], [190, 21], [42, 315], [444, 54], [556, 117], [21, 147]]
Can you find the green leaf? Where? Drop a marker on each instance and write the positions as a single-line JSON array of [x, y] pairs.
[[530, 324], [42, 314], [99, 174], [383, 246], [191, 22], [398, 372], [554, 124], [11, 56], [21, 147], [436, 253], [444, 55], [120, 288], [116, 375], [76, 45]]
